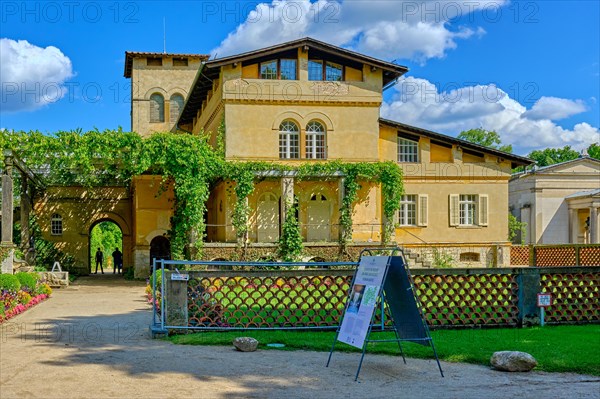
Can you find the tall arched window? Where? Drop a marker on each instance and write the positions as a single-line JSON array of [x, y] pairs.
[[289, 140], [157, 108], [175, 107], [315, 140], [56, 225]]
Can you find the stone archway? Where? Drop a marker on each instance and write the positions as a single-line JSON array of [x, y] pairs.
[[108, 242]]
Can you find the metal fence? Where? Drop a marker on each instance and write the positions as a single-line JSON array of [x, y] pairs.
[[257, 295]]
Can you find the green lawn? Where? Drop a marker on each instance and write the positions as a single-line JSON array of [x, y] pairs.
[[556, 348]]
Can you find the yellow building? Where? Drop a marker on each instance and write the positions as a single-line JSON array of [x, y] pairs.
[[297, 102]]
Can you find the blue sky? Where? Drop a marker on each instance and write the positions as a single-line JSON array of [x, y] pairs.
[[529, 70]]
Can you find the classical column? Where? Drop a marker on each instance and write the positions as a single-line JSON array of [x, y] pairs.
[[594, 224], [287, 195], [7, 214], [573, 226], [25, 210], [341, 195]]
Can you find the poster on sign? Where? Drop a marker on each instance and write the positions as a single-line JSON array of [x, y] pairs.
[[362, 300]]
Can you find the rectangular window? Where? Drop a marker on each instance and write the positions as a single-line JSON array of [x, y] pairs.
[[408, 150], [333, 72], [288, 69], [56, 227], [467, 204], [408, 210], [154, 61], [315, 70], [268, 70], [180, 62]]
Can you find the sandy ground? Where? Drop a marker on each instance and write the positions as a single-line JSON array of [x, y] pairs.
[[92, 341]]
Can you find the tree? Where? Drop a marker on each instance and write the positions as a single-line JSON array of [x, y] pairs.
[[550, 156], [594, 151], [486, 138]]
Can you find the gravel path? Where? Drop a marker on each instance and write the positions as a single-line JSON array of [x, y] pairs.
[[91, 341]]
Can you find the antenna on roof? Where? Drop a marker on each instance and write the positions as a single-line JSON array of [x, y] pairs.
[[164, 36]]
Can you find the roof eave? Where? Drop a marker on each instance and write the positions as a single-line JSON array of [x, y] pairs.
[[516, 160]]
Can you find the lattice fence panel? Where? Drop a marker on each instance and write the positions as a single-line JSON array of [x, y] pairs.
[[519, 255], [479, 299], [576, 297], [589, 256], [555, 256], [267, 301]]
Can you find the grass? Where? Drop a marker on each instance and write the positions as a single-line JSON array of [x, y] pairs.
[[569, 348]]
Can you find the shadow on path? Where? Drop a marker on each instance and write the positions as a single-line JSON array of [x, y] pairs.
[[92, 340]]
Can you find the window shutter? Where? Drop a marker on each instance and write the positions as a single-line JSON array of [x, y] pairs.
[[483, 210], [453, 210], [422, 210], [157, 108], [175, 107]]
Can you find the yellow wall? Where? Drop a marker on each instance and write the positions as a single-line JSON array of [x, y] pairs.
[[81, 209], [165, 80], [451, 172], [152, 212]]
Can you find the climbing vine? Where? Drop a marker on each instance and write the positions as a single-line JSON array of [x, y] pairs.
[[191, 166], [290, 242]]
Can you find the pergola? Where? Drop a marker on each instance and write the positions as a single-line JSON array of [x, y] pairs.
[[29, 182]]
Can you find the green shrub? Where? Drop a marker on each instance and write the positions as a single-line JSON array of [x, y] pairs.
[[28, 280], [9, 282], [128, 274], [158, 277]]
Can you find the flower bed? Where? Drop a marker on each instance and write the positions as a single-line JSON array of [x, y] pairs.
[[20, 292]]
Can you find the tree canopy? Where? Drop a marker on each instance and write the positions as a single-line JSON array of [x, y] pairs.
[[486, 138]]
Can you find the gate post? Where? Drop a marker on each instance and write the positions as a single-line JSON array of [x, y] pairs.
[[528, 280], [176, 301]]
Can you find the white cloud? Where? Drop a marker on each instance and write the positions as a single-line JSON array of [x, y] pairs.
[[386, 29], [419, 102], [554, 108], [31, 76]]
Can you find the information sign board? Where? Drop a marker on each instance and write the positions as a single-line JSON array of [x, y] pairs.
[[363, 299]]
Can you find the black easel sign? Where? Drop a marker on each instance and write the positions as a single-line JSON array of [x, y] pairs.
[[363, 300]]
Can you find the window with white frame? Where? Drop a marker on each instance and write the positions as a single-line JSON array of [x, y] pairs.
[[268, 70], [408, 210], [467, 204], [56, 225], [315, 140], [468, 209], [289, 140], [408, 150]]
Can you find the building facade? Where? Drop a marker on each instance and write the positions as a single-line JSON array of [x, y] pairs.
[[299, 102], [560, 203]]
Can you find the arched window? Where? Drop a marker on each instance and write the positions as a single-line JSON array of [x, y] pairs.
[[176, 106], [56, 225], [157, 108], [315, 140], [289, 140]]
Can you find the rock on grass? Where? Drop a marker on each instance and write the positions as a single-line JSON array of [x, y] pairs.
[[513, 361]]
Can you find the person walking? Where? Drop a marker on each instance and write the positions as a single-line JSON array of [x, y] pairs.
[[99, 261], [117, 261]]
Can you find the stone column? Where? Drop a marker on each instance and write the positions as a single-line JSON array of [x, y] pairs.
[[341, 195], [287, 195], [594, 224], [7, 214], [573, 226], [25, 210]]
